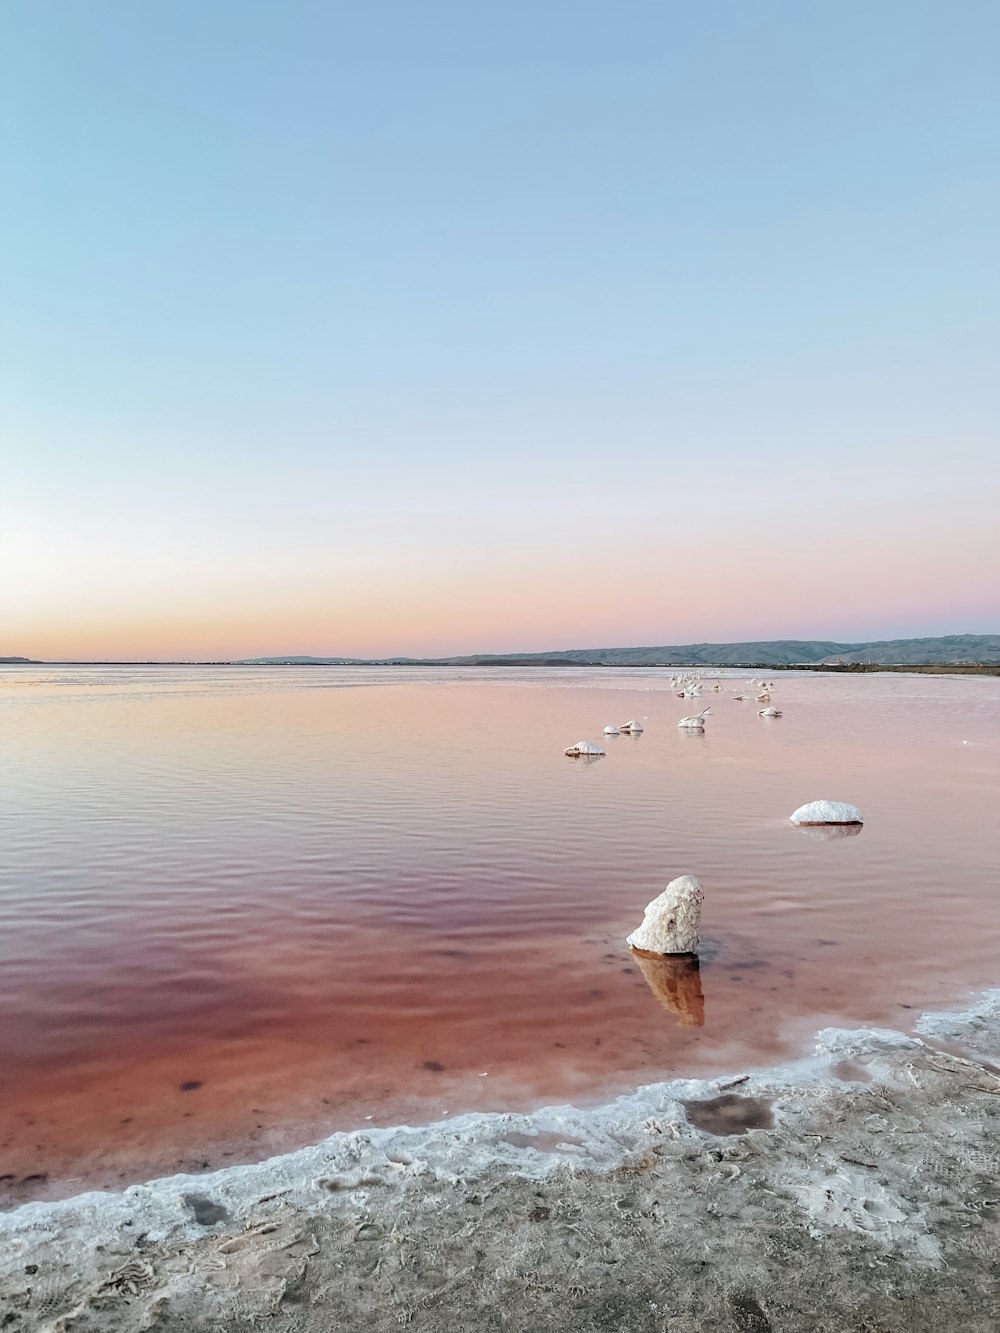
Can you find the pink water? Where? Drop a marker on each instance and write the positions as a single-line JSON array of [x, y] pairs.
[[242, 908]]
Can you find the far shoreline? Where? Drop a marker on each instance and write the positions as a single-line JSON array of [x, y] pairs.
[[842, 668]]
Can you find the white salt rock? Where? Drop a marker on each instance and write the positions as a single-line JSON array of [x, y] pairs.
[[827, 812], [631, 726], [769, 712], [697, 720], [670, 923], [583, 747], [611, 731]]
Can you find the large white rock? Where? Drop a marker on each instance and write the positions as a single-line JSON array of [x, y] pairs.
[[827, 812], [583, 747], [671, 921], [612, 731], [632, 726]]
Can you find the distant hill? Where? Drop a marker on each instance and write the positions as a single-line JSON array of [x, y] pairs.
[[953, 649], [19, 661]]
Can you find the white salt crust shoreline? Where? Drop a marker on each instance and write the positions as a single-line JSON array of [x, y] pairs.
[[855, 1188]]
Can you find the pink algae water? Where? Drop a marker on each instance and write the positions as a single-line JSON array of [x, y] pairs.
[[242, 908]]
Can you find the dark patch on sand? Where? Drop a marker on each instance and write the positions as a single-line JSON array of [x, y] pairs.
[[748, 1316], [190, 1085], [851, 1072], [206, 1211], [434, 1066], [729, 1114], [544, 1142]]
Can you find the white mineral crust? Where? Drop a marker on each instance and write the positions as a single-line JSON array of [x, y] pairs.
[[827, 812], [583, 747], [671, 921]]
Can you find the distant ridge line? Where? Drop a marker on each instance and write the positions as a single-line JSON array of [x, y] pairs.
[[947, 650]]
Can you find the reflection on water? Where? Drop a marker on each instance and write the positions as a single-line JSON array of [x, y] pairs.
[[240, 909], [830, 832], [675, 980]]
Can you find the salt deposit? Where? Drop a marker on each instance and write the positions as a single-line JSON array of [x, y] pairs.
[[671, 920], [696, 721], [866, 1171], [827, 812], [583, 748]]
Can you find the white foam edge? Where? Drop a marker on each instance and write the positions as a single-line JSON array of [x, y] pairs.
[[458, 1150]]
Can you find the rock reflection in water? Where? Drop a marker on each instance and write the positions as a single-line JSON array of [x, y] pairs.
[[675, 980], [831, 832]]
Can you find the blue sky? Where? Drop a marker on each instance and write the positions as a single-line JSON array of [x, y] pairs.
[[333, 327]]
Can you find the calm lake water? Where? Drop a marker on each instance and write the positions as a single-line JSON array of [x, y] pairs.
[[241, 908]]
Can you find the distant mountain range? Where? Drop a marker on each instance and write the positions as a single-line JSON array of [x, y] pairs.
[[953, 649]]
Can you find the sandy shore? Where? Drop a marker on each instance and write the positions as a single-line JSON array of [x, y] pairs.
[[858, 1189]]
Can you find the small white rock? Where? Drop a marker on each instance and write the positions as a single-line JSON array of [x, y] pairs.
[[769, 712], [696, 721], [671, 921], [827, 812], [583, 747], [612, 731], [631, 726]]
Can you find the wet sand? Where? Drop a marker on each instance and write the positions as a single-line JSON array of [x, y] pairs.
[[854, 1190]]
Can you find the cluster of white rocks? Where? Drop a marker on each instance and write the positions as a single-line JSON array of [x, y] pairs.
[[672, 920], [685, 687]]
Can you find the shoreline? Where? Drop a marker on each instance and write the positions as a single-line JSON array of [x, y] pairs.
[[852, 1188]]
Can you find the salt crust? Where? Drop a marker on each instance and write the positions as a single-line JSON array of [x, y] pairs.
[[827, 812], [349, 1165]]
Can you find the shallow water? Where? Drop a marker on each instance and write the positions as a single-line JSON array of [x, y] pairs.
[[241, 908]]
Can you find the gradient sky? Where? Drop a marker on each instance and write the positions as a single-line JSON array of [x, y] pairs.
[[422, 328]]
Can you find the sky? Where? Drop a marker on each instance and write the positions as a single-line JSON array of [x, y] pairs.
[[420, 329]]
